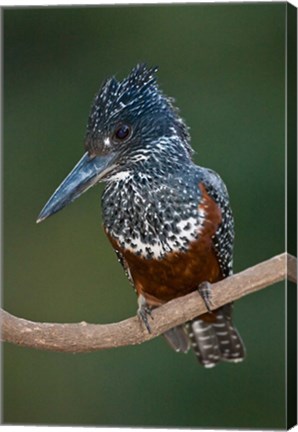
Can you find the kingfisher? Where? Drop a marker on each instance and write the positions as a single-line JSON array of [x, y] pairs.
[[168, 219]]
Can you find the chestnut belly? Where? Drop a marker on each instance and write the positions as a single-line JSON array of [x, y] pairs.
[[176, 274]]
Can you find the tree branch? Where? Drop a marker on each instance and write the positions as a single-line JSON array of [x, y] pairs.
[[83, 337]]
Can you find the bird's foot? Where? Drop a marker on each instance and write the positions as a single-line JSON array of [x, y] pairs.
[[144, 311], [204, 290]]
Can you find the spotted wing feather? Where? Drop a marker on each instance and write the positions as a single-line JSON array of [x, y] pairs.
[[218, 340]]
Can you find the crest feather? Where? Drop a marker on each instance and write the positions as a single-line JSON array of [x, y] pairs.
[[142, 75]]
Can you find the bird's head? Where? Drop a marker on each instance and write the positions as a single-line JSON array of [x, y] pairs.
[[128, 121]]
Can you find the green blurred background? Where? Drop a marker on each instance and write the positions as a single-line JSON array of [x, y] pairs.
[[224, 64]]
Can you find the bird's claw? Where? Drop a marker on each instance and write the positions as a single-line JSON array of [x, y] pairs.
[[204, 290]]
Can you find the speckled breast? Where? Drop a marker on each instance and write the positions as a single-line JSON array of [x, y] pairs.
[[163, 273]]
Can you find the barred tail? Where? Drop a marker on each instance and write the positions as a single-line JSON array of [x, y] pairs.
[[217, 340], [213, 340]]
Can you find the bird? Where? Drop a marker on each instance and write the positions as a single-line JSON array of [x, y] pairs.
[[169, 220]]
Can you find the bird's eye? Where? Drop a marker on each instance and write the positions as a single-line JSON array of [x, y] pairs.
[[122, 132]]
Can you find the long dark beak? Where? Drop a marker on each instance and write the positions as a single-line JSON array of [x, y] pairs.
[[87, 172]]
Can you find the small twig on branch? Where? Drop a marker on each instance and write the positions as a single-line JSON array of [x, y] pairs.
[[83, 337]]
